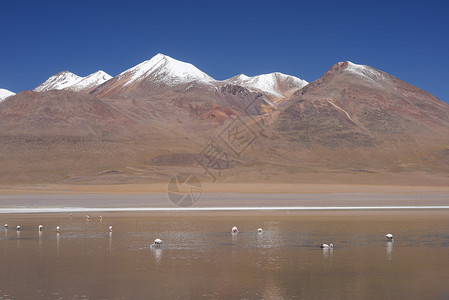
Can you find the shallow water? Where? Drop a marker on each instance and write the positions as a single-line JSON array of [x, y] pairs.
[[201, 259]]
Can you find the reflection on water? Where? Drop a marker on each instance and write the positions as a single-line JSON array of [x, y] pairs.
[[328, 253], [234, 237], [110, 242], [201, 259], [389, 249], [157, 255], [57, 243]]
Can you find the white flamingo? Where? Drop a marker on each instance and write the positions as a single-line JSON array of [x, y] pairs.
[[110, 228], [87, 217], [101, 218], [157, 243], [57, 229], [18, 227], [234, 230], [326, 246], [259, 230], [41, 227], [6, 226], [389, 236]]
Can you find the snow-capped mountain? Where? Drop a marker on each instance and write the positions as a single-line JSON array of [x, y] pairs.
[[91, 81], [67, 80], [5, 94], [163, 72], [159, 73], [276, 84], [164, 69]]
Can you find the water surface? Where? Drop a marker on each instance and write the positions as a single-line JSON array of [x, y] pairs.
[[201, 259]]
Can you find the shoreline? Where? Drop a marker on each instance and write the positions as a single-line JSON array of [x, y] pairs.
[[214, 209], [239, 188], [222, 197]]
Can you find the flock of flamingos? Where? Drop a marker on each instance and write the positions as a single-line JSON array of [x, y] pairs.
[[158, 242]]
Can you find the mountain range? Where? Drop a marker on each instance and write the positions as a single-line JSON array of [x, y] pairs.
[[158, 118]]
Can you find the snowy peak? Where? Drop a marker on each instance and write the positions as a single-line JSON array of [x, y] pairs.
[[276, 84], [5, 94], [58, 81], [66, 80], [363, 71], [90, 82], [164, 69], [238, 78]]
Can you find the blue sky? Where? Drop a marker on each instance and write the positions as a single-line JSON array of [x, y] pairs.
[[407, 39]]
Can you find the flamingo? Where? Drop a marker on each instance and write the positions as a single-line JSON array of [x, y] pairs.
[[389, 236], [326, 246], [157, 243], [6, 226], [87, 217], [41, 227], [234, 230], [110, 228], [259, 230], [18, 227], [101, 218], [57, 229]]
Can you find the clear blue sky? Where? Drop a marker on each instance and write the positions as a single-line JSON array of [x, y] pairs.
[[407, 39]]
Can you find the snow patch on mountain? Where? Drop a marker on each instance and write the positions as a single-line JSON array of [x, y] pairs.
[[164, 69], [66, 80], [5, 94], [269, 83], [364, 71], [59, 81], [91, 81]]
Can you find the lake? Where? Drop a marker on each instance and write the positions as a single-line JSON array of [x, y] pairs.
[[201, 259]]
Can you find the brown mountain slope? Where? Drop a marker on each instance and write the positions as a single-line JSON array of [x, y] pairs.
[[59, 113], [357, 117], [192, 106], [57, 135], [367, 103]]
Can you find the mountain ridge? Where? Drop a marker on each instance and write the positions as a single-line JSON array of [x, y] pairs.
[[354, 120], [163, 70], [66, 80]]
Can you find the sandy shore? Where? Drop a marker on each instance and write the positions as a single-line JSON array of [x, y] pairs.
[[221, 196], [287, 209], [223, 201], [243, 188]]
